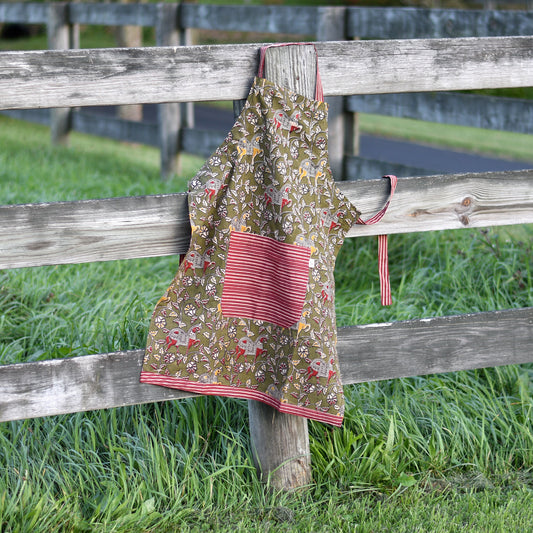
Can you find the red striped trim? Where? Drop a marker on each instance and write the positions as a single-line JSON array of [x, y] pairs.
[[235, 392], [378, 216], [265, 279], [383, 254], [384, 278]]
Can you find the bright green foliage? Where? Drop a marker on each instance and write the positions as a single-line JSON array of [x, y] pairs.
[[440, 453]]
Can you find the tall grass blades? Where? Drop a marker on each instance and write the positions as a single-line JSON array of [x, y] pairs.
[[439, 453]]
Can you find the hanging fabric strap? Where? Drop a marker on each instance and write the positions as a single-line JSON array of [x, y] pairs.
[[384, 279], [383, 254], [319, 91]]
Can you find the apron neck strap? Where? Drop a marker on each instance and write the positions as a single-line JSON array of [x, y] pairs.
[[319, 92]]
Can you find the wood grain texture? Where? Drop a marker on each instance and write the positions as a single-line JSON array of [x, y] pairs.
[[150, 226], [293, 67], [366, 353], [76, 384], [114, 76], [368, 67], [94, 230], [450, 201], [279, 441], [225, 72], [280, 447], [434, 345]]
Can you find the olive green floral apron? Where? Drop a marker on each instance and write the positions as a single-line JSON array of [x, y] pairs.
[[251, 311]]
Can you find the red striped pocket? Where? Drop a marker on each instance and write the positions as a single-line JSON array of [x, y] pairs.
[[265, 279]]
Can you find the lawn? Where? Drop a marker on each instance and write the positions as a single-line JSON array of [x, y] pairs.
[[440, 453]]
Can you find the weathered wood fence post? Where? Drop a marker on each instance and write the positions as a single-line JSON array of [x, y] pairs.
[[280, 442], [128, 36], [59, 35], [167, 34], [331, 26], [186, 38]]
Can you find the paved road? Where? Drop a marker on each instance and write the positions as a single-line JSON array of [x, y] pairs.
[[437, 159], [407, 153], [372, 147]]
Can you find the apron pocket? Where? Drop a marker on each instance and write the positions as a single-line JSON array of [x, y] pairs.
[[265, 279]]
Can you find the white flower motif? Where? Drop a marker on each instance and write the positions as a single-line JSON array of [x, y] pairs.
[[287, 227], [190, 309], [332, 398], [321, 143]]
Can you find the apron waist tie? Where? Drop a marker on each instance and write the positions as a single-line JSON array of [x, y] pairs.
[[383, 255], [383, 259]]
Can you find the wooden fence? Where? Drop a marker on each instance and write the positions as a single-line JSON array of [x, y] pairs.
[[123, 228], [175, 132]]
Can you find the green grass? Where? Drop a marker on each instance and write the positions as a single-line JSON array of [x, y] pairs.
[[440, 453], [89, 168]]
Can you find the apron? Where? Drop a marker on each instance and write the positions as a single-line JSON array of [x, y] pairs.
[[251, 311]]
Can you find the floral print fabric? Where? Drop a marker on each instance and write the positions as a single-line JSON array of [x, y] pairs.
[[251, 311]]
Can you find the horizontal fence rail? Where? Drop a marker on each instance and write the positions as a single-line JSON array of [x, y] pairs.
[[367, 22], [433, 345], [201, 142], [466, 110], [410, 23], [24, 12], [506, 114], [108, 14], [260, 19], [149, 226], [84, 121], [124, 228], [70, 78], [172, 21]]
